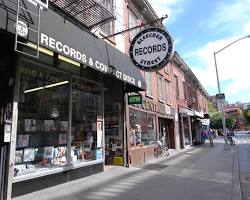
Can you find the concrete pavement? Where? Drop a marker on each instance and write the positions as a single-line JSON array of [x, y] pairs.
[[196, 173], [244, 164]]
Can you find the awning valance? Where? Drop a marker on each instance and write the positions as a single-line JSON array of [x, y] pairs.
[[65, 38]]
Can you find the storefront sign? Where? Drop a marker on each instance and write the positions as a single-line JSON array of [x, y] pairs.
[[151, 49], [22, 29], [134, 99], [154, 106], [186, 111], [205, 122], [99, 139], [82, 57], [199, 114]]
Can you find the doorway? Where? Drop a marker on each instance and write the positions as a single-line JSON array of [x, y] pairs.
[[113, 117], [166, 130], [7, 75]]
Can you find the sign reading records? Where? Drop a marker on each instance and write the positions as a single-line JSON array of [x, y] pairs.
[[151, 49]]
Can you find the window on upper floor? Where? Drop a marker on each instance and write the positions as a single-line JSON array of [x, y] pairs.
[[148, 78], [167, 87], [189, 94], [204, 105], [159, 86], [108, 28], [184, 90], [176, 86], [132, 23]]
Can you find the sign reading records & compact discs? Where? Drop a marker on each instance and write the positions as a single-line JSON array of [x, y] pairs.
[[151, 49]]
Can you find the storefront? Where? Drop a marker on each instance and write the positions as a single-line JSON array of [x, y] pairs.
[[197, 127], [148, 122], [64, 103], [185, 115]]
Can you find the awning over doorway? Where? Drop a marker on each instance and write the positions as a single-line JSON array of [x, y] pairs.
[[61, 36], [186, 111]]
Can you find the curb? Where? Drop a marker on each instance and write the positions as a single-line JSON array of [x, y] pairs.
[[236, 185]]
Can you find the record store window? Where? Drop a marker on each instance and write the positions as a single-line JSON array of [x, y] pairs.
[[42, 121], [86, 122]]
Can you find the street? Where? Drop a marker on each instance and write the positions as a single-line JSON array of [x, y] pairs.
[[200, 172]]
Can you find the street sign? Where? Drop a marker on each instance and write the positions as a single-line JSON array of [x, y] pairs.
[[134, 99], [220, 96]]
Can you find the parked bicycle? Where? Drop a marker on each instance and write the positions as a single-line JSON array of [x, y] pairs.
[[160, 149]]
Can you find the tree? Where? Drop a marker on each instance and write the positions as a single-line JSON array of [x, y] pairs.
[[216, 118], [246, 116]]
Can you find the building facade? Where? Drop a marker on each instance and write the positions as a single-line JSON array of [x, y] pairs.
[[65, 113]]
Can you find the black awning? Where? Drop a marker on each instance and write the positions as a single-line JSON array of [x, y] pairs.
[[65, 38]]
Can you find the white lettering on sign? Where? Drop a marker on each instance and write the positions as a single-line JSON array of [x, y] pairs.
[[62, 48], [75, 54], [22, 29]]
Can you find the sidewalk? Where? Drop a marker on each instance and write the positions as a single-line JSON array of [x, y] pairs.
[[202, 166]]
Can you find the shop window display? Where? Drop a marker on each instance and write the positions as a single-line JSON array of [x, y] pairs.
[[42, 121], [143, 130], [86, 129], [113, 137], [43, 128]]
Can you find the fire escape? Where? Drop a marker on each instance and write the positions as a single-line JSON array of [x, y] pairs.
[[86, 13]]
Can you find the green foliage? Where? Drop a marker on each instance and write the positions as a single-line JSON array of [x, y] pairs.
[[246, 116], [216, 118]]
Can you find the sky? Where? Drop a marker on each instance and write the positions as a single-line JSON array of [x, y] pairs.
[[200, 28]]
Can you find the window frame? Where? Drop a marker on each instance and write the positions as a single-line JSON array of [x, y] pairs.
[[149, 81], [160, 87], [177, 92], [167, 91]]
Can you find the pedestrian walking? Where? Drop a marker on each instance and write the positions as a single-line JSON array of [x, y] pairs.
[[210, 136]]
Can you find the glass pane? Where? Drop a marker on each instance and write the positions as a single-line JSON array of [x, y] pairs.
[[142, 128], [86, 130], [42, 121]]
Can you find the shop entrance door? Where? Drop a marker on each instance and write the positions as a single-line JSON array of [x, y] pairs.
[[164, 129], [114, 134]]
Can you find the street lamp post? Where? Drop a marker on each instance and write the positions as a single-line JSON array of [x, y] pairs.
[[221, 103]]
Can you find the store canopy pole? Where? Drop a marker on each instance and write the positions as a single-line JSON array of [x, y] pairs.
[[135, 27]]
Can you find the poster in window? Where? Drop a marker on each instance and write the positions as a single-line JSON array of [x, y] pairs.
[[99, 139], [30, 125], [49, 125], [48, 152], [22, 141], [19, 156], [62, 138], [29, 154], [98, 154], [64, 126]]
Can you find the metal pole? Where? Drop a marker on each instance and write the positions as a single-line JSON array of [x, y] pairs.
[[221, 105]]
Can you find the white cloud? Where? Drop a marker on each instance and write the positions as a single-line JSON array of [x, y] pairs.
[[233, 66], [246, 29], [173, 8], [228, 17]]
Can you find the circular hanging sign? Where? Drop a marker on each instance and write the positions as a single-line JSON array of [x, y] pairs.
[[151, 49], [22, 29]]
